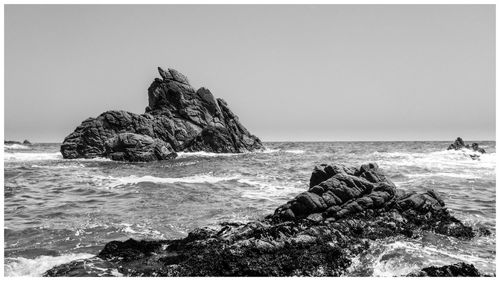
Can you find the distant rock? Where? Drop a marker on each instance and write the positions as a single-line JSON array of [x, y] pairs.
[[318, 233], [25, 142], [460, 144], [178, 118]]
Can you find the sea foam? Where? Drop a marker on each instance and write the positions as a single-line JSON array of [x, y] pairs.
[[20, 266], [201, 178], [21, 156], [15, 146]]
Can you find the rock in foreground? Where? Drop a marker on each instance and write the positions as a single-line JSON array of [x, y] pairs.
[[454, 270], [178, 118], [317, 233]]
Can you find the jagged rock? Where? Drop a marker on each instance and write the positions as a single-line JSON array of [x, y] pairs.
[[460, 144], [26, 142], [312, 235], [337, 191], [455, 270], [186, 119]]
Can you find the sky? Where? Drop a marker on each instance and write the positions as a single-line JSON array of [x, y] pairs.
[[291, 73]]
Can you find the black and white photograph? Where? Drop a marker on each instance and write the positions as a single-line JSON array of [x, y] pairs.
[[249, 140]]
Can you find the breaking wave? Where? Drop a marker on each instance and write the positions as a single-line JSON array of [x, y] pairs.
[[36, 267], [21, 156], [120, 181], [15, 146]]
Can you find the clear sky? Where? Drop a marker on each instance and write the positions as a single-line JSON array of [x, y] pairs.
[[334, 72]]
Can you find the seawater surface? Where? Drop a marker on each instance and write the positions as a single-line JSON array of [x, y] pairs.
[[58, 210]]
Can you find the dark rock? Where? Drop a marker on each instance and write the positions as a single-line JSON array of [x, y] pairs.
[[25, 142], [318, 233], [460, 144], [454, 270], [177, 115], [138, 148]]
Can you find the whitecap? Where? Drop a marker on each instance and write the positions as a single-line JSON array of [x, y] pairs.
[[119, 181], [204, 154], [268, 150], [295, 151], [15, 146], [20, 156], [20, 266]]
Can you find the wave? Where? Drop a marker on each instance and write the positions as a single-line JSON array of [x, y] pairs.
[[21, 156], [20, 266], [204, 154], [398, 258], [15, 146], [450, 175], [447, 159], [201, 178], [293, 151]]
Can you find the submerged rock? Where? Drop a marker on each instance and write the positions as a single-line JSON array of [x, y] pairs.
[[460, 144], [317, 233], [177, 115]]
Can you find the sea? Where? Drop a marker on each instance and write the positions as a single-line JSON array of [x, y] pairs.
[[58, 210]]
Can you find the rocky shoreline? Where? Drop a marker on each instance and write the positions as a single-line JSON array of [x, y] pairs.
[[178, 118], [317, 233]]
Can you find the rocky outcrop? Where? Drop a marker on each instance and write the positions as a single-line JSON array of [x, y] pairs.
[[460, 144], [317, 233], [178, 115], [454, 270]]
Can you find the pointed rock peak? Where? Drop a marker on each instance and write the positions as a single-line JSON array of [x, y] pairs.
[[173, 75], [179, 77], [165, 74]]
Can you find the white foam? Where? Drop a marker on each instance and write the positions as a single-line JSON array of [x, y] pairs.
[[16, 146], [268, 190], [21, 156], [295, 151], [201, 178], [36, 267], [141, 230], [204, 154], [445, 160], [444, 174], [268, 150]]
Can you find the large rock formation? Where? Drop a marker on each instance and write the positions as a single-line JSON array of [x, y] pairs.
[[317, 233], [178, 118]]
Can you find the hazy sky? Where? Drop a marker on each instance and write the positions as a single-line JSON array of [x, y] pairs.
[[335, 72]]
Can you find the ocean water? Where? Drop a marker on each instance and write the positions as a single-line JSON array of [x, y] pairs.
[[58, 210]]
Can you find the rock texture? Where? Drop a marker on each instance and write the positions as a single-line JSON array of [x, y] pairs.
[[454, 270], [460, 144], [317, 233], [178, 118]]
